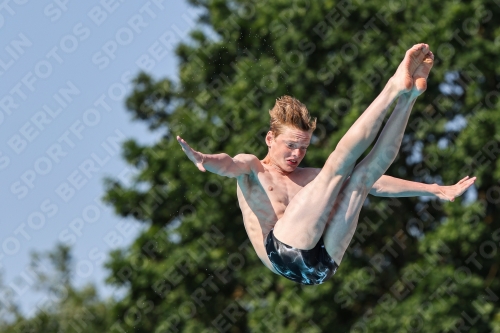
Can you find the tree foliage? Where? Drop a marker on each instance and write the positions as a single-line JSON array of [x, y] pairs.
[[63, 307], [410, 262]]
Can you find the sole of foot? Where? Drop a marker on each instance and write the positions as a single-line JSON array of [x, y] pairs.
[[412, 60], [422, 73]]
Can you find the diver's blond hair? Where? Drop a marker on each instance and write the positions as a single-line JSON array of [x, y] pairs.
[[289, 111]]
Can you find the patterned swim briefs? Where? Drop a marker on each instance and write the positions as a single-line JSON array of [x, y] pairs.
[[309, 267]]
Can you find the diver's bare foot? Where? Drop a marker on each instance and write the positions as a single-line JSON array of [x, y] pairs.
[[421, 74], [403, 78]]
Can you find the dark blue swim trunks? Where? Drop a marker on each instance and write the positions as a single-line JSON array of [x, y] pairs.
[[313, 266]]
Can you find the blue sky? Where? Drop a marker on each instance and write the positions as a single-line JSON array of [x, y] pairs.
[[65, 71]]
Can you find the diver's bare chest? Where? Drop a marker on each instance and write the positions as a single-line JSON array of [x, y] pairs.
[[281, 189]]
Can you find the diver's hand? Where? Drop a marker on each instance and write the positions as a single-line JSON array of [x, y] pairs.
[[449, 193], [195, 156]]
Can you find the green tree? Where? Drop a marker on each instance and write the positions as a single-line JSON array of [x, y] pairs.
[[409, 265], [64, 308]]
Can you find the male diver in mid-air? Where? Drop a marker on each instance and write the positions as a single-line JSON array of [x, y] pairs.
[[300, 221]]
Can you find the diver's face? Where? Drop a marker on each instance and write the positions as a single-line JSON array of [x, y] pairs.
[[289, 148]]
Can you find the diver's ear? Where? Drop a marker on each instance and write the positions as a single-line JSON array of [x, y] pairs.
[[269, 138]]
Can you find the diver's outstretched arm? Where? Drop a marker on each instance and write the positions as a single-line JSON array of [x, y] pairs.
[[387, 186], [221, 164]]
